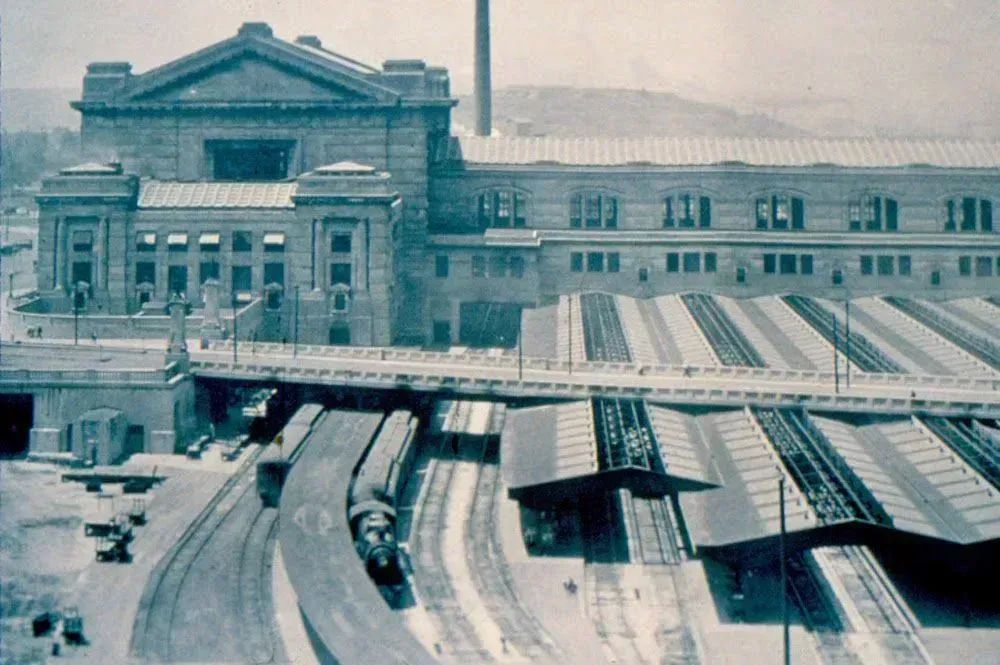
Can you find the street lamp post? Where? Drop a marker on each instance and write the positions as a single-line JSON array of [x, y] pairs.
[[847, 338], [836, 355], [520, 347], [236, 333], [785, 637]]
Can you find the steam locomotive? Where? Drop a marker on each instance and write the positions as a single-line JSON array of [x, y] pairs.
[[376, 489]]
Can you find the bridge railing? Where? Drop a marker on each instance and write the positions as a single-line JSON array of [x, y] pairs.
[[94, 377], [509, 360]]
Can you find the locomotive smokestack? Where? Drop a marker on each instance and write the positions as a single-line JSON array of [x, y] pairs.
[[484, 102]]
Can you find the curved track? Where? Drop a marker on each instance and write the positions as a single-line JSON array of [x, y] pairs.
[[215, 583]]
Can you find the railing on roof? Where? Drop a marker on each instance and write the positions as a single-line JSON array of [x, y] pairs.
[[834, 491], [729, 342], [975, 345], [863, 352]]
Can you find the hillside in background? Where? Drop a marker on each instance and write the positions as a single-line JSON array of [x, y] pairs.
[[565, 111], [35, 109]]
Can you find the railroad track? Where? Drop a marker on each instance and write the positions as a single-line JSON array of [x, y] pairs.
[[625, 435], [492, 577], [818, 615], [730, 344], [436, 591], [975, 449], [654, 533], [155, 634], [603, 337], [973, 344]]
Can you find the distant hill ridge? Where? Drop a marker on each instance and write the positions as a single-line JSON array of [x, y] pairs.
[[565, 111]]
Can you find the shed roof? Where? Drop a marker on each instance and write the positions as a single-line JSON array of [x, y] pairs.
[[711, 151]]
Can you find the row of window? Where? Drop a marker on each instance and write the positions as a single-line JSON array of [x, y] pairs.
[[980, 266], [691, 261], [886, 264], [595, 261], [274, 273], [788, 264], [210, 242], [508, 208]]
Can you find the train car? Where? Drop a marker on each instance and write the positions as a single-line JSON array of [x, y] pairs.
[[376, 488], [271, 472]]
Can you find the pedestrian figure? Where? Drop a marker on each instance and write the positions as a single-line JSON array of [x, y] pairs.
[[687, 371], [503, 643], [637, 593], [913, 394]]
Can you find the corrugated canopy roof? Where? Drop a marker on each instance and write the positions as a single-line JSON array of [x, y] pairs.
[[156, 194], [709, 151]]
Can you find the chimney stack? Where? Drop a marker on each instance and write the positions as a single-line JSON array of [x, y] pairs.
[[484, 102]]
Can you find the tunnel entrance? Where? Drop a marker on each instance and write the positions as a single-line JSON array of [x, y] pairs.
[[15, 425]]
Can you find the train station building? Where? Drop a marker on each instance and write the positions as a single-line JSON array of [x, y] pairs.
[[327, 200]]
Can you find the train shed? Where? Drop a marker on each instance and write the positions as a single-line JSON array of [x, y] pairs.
[[557, 453]]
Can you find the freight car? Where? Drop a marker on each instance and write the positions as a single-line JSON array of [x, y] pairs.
[[376, 489], [271, 471]]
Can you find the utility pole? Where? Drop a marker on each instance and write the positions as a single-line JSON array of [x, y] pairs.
[[295, 328], [520, 348], [785, 637], [836, 359], [847, 338], [236, 333]]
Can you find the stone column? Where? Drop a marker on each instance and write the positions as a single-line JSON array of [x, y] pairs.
[[100, 255], [60, 253], [211, 326], [317, 273], [178, 325]]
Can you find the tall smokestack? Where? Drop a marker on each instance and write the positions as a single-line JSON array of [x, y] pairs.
[[484, 101]]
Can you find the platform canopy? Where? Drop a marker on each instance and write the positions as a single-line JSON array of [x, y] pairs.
[[558, 453]]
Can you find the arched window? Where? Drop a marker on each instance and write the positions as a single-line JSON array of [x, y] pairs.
[[593, 210], [687, 210], [968, 213], [780, 211], [873, 212], [501, 209]]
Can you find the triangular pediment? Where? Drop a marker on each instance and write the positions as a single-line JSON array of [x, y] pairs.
[[241, 70]]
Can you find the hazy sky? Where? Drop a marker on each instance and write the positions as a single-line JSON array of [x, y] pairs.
[[924, 62]]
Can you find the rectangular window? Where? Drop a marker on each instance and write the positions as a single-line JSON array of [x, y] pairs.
[[905, 265], [248, 160], [209, 242], [614, 262], [984, 266], [442, 332], [208, 270], [873, 214], [595, 262], [274, 273], [340, 243], [936, 278], [837, 277], [949, 222], [891, 215], [177, 242], [798, 213], [504, 208], [968, 214], [692, 262], [576, 262], [593, 211], [242, 241], [867, 264], [806, 264], [711, 261], [673, 262], [497, 265], [643, 274], [517, 267], [610, 212], [340, 273], [479, 266], [274, 242], [145, 241], [576, 211], [763, 213], [177, 279], [685, 203], [441, 265], [787, 264], [704, 212], [780, 211], [83, 241], [770, 263], [668, 213], [520, 212], [242, 278], [145, 272], [741, 275], [854, 216], [986, 215], [965, 266], [885, 265]]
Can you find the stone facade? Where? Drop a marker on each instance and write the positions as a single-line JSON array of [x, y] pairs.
[[420, 246]]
